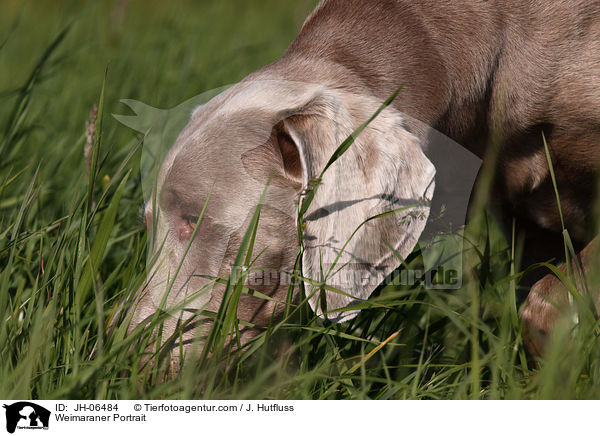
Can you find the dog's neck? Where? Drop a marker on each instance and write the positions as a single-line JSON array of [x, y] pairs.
[[444, 69]]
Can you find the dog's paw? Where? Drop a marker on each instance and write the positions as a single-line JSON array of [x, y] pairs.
[[542, 309]]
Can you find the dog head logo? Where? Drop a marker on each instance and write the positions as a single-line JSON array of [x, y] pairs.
[[26, 415]]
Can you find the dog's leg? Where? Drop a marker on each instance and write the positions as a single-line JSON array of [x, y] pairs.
[[548, 297]]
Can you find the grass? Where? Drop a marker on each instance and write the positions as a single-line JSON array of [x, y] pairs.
[[72, 249]]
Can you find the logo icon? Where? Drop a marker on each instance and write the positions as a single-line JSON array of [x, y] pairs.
[[26, 415]]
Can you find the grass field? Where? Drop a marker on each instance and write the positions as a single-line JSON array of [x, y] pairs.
[[72, 246]]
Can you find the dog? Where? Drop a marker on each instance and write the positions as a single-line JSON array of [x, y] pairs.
[[499, 77]]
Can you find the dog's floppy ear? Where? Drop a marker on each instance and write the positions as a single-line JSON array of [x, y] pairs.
[[348, 244]]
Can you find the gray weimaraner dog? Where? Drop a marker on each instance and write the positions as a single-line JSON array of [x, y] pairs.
[[492, 75]]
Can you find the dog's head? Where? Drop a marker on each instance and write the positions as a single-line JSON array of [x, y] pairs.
[[367, 213]]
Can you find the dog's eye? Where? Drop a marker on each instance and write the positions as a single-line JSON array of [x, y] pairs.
[[190, 220], [186, 226]]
